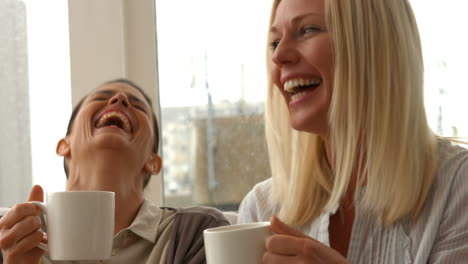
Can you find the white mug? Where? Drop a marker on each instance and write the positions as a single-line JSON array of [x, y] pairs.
[[79, 225], [234, 244]]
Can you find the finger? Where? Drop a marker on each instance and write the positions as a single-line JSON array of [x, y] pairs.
[[18, 213], [19, 231], [271, 258], [284, 245], [26, 251], [37, 194], [29, 242], [278, 227]]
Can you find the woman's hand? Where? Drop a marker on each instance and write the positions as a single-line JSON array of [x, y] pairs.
[[19, 231], [289, 246]]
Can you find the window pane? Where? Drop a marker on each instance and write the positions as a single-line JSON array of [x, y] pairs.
[[212, 91], [50, 88], [15, 143], [35, 89], [445, 59]]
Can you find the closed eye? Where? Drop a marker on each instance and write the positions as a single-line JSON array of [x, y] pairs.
[[106, 95], [99, 98], [140, 108]]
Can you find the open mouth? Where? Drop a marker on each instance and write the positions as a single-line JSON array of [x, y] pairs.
[[298, 87], [115, 119]]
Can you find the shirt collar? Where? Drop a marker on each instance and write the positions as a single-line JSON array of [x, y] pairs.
[[147, 221]]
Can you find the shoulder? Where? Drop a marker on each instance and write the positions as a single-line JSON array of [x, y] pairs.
[[443, 222], [452, 168], [257, 204], [449, 192], [186, 244], [150, 213], [451, 156], [202, 215], [260, 192]]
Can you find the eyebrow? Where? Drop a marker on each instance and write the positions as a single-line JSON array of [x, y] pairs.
[[296, 19], [131, 97]]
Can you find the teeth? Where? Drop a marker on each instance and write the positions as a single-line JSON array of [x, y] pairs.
[[122, 117], [291, 85], [297, 95]]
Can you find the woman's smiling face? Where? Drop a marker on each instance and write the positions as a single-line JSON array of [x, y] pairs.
[[302, 63]]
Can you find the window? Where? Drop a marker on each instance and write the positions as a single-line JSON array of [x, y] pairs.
[[445, 58], [212, 83]]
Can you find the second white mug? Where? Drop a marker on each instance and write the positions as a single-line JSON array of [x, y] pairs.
[[234, 244]]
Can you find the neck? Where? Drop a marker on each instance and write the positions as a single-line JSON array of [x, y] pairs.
[[125, 212], [348, 197], [106, 173]]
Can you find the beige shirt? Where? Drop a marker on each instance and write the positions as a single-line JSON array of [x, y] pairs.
[[161, 235], [439, 235]]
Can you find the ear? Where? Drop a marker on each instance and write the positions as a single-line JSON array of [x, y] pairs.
[[63, 147], [154, 164]]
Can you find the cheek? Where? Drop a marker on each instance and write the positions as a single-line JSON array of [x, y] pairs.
[[329, 80], [323, 60], [81, 125], [275, 74], [328, 71], [146, 134], [327, 61], [319, 52], [275, 77]]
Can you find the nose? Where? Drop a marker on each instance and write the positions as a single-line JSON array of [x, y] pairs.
[[285, 53], [119, 98]]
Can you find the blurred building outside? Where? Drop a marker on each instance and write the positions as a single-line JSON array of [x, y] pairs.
[[239, 154]]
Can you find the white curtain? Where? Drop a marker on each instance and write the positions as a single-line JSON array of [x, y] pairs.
[[15, 140]]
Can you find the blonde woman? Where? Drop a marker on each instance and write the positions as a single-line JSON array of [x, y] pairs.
[[356, 169]]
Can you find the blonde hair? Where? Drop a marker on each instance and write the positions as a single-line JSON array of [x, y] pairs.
[[378, 125]]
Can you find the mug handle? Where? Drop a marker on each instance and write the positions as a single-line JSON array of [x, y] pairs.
[[43, 212]]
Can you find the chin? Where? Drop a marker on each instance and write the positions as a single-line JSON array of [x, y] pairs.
[[313, 126], [112, 139]]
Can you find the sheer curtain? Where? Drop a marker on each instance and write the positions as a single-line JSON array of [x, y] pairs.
[[36, 93], [15, 140]]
